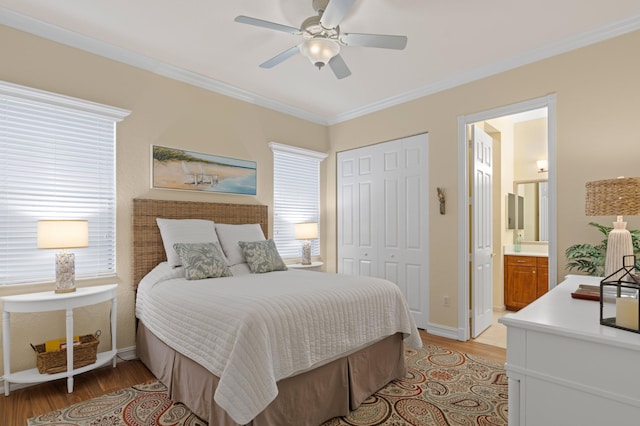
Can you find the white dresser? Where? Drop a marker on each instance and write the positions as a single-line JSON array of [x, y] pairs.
[[565, 368]]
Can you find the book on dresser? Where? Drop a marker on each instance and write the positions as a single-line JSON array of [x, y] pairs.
[[588, 292], [592, 292]]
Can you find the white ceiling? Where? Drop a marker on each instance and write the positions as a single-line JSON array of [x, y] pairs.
[[450, 42]]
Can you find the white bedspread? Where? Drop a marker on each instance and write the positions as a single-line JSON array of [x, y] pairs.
[[254, 330]]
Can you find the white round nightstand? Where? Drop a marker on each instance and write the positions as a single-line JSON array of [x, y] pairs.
[[50, 301], [315, 266]]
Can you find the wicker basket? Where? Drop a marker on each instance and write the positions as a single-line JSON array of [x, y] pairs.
[[84, 353]]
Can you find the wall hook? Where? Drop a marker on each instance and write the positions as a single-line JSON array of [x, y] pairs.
[[441, 199]]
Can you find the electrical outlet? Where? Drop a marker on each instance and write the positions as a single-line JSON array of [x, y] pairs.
[[445, 301]]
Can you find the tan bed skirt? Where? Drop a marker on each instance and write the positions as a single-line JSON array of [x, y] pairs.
[[309, 398]]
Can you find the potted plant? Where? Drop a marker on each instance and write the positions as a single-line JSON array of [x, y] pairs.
[[590, 259]]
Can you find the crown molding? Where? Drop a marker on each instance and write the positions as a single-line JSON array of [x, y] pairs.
[[97, 47], [79, 41], [581, 40]]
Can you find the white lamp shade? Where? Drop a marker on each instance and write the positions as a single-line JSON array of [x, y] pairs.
[[319, 50], [543, 165], [63, 234], [306, 231]]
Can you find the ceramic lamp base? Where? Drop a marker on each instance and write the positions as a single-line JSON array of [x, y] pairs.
[[65, 273], [619, 244], [306, 253]]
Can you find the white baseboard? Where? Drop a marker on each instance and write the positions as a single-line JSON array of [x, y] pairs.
[[125, 354], [444, 331]]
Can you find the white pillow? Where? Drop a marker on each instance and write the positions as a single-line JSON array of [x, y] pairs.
[[240, 269], [229, 235], [184, 231]]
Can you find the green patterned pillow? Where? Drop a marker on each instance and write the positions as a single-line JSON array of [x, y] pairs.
[[202, 260], [262, 256]]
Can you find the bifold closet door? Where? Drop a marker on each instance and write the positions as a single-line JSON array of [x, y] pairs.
[[357, 240], [383, 216]]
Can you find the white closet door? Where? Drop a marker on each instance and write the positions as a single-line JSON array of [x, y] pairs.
[[391, 202], [404, 240], [357, 241], [383, 217]]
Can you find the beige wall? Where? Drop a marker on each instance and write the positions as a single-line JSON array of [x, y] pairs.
[[163, 112], [531, 145], [597, 91]]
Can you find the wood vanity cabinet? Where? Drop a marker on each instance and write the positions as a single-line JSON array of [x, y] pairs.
[[525, 279]]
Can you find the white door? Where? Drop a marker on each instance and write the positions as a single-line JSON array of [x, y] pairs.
[[404, 238], [357, 251], [482, 238], [383, 217]]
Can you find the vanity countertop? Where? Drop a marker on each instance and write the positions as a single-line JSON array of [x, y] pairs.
[[537, 250]]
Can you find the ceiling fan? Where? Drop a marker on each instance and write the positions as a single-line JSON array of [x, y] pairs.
[[323, 38]]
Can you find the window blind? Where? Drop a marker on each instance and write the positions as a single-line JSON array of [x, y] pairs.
[[296, 196], [57, 161]]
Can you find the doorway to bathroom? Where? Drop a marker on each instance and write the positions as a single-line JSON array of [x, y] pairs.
[[489, 230]]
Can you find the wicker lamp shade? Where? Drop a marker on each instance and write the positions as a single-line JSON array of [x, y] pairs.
[[615, 197]]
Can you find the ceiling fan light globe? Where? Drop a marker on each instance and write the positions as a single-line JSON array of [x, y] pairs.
[[319, 50]]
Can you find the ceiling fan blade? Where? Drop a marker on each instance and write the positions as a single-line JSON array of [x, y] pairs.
[[281, 57], [339, 68], [266, 24], [335, 13], [374, 40]]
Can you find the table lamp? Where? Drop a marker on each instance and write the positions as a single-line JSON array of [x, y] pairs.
[[63, 234], [306, 231], [615, 197]]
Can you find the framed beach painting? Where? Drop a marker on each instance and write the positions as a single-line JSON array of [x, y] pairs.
[[173, 168]]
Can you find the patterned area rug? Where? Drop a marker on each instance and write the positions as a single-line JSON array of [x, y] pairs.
[[141, 405], [442, 387]]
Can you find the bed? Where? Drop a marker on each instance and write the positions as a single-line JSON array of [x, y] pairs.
[[286, 347]]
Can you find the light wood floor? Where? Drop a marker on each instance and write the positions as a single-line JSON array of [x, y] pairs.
[[24, 403], [470, 347], [27, 402]]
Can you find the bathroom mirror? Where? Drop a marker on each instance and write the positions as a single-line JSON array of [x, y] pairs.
[[512, 211], [533, 215]]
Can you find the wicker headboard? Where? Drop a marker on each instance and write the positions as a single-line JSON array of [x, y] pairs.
[[148, 250]]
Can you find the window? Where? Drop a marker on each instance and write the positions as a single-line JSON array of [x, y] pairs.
[[57, 161], [296, 195]]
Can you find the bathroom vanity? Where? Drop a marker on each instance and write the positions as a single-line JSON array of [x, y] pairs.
[[526, 276]]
